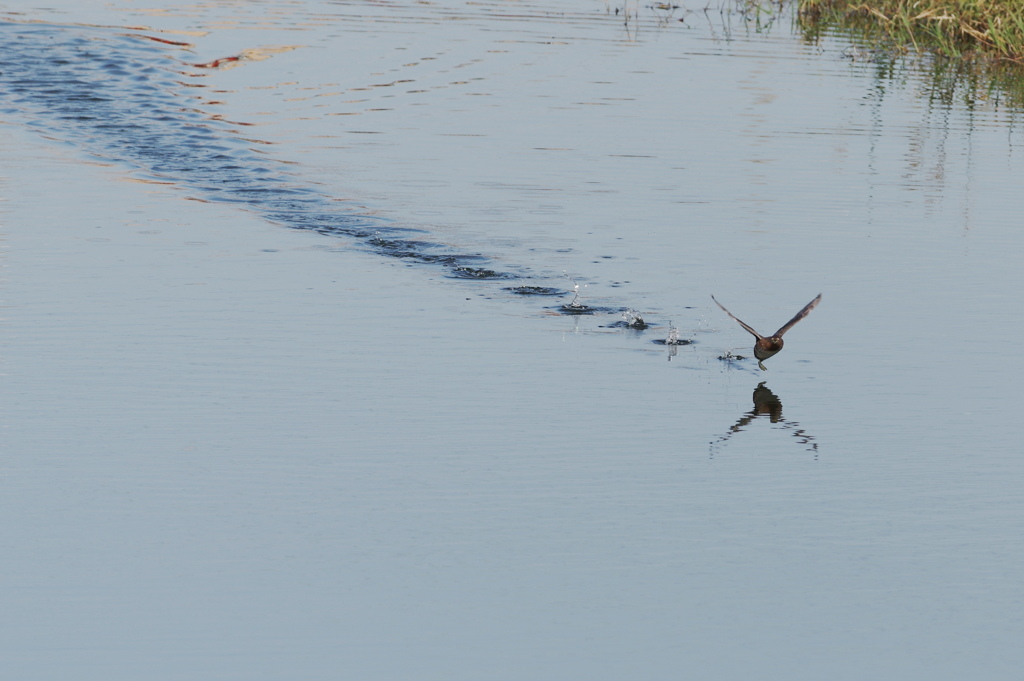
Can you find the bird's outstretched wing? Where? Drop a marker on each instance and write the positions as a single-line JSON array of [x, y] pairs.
[[744, 324], [799, 315]]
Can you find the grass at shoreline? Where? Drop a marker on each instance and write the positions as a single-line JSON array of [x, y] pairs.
[[956, 28]]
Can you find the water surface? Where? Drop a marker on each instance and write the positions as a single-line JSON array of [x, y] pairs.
[[259, 423]]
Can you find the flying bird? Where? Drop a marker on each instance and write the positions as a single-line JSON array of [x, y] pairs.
[[767, 347]]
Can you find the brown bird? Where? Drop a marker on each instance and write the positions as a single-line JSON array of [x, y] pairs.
[[767, 347]]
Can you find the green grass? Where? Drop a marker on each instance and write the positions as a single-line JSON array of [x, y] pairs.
[[954, 28]]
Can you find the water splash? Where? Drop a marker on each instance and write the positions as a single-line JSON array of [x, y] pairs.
[[633, 319], [575, 306], [673, 334]]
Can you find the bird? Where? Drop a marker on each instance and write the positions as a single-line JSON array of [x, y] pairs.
[[765, 347]]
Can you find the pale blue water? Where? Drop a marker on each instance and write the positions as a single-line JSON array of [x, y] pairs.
[[244, 440]]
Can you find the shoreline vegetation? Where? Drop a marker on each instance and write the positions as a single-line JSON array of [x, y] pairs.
[[971, 29]]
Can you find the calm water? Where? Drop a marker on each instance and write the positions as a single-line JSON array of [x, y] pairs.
[[272, 410]]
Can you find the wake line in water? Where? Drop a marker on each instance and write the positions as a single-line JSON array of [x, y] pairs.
[[116, 95]]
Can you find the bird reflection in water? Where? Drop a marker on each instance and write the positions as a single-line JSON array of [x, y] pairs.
[[767, 403]]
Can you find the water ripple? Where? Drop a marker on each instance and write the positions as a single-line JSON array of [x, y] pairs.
[[117, 96]]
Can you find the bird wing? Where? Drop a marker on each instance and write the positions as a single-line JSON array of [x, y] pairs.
[[742, 323], [799, 315]]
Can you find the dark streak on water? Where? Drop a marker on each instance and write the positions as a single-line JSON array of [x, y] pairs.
[[117, 96], [536, 291]]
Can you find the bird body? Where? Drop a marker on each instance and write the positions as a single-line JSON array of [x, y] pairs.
[[765, 347]]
